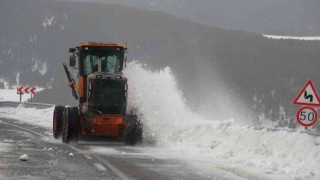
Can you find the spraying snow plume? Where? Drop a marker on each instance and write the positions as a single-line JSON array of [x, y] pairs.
[[168, 121], [158, 99]]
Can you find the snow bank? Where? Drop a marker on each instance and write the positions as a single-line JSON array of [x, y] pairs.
[[11, 95], [170, 124], [39, 117]]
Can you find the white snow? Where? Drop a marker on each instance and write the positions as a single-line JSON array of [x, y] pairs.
[[171, 125], [39, 117], [311, 38], [39, 66], [34, 67], [47, 21], [24, 157], [5, 146], [11, 94], [43, 68], [33, 39], [6, 84], [18, 79], [205, 144]]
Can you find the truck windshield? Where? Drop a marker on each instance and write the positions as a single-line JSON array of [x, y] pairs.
[[109, 63]]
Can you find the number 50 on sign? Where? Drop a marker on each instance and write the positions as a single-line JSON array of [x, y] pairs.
[[307, 116]]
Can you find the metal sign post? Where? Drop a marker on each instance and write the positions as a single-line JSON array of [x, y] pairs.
[[19, 91]]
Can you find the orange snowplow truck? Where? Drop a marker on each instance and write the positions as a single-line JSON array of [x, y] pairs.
[[101, 91]]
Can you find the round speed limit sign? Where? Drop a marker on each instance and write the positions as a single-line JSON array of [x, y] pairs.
[[307, 116]]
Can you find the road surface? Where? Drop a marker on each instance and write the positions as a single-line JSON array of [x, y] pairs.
[[94, 159]]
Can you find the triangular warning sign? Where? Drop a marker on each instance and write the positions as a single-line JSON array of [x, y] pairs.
[[308, 96]]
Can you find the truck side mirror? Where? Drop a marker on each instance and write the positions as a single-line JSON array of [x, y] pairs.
[[72, 50], [72, 61]]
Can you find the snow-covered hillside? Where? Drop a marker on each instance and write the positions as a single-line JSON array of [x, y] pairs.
[[281, 16], [311, 38]]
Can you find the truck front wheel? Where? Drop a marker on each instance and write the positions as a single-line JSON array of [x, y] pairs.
[[57, 121]]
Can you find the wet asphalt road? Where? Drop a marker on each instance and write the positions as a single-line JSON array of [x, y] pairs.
[[49, 158]]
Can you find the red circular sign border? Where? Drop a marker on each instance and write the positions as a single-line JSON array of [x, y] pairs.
[[313, 110]]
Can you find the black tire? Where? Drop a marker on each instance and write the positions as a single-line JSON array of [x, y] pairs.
[[57, 121], [70, 124], [134, 131], [75, 123]]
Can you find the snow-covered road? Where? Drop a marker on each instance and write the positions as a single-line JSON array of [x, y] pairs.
[[94, 159], [221, 150], [47, 158], [24, 126]]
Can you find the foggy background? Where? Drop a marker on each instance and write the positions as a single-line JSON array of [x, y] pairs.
[[281, 17]]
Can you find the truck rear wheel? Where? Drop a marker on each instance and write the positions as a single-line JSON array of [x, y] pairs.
[[57, 121], [70, 125]]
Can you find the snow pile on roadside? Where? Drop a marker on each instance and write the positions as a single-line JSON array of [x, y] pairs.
[[39, 117], [276, 152], [169, 122], [11, 95]]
